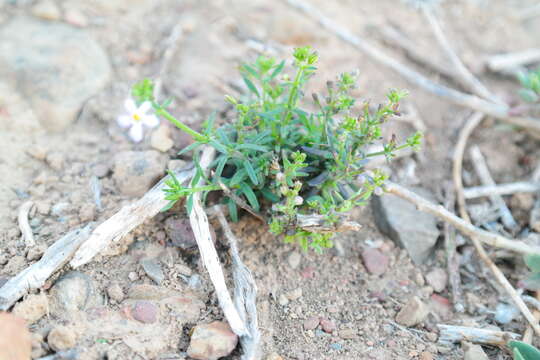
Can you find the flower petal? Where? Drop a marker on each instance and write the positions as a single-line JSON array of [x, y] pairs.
[[124, 121], [150, 121], [136, 132], [130, 105], [145, 106]]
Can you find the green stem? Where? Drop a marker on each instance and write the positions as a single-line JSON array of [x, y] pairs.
[[197, 136]]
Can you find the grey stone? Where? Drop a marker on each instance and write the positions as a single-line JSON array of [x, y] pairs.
[[152, 268], [473, 352], [410, 228], [55, 66], [179, 231], [136, 171], [437, 279], [294, 259], [71, 293]]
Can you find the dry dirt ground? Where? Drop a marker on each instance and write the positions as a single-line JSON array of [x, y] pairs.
[[54, 169]]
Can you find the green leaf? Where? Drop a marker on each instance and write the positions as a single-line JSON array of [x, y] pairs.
[[251, 70], [251, 172], [267, 193], [233, 210], [189, 204], [532, 282], [221, 165], [533, 262], [238, 177], [251, 86], [251, 147], [277, 70], [524, 351], [250, 195], [168, 206], [218, 146], [190, 147]]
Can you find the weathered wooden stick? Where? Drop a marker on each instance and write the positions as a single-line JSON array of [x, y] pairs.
[[482, 170], [245, 294], [500, 111], [464, 227], [201, 230], [465, 76], [125, 220], [317, 224], [505, 62], [501, 189], [34, 276], [449, 334], [24, 226]]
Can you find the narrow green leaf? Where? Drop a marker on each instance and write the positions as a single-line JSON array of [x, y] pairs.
[[250, 196], [188, 148], [532, 282], [218, 146], [168, 206], [251, 86], [238, 177], [267, 193], [251, 172], [277, 70], [189, 204], [528, 352], [251, 147], [221, 165], [251, 70], [533, 262], [233, 210]]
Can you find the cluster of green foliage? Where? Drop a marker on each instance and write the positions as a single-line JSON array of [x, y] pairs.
[[283, 159], [531, 86], [524, 351]]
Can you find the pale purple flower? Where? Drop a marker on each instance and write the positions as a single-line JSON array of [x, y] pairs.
[[136, 117]]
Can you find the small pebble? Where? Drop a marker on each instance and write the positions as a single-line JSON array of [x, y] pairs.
[[145, 312], [375, 261], [101, 170], [311, 323], [55, 160], [161, 139], [348, 334], [61, 338], [294, 259], [437, 279], [32, 308], [76, 18], [412, 313], [87, 212], [152, 268], [115, 292], [295, 294], [328, 326], [336, 346], [133, 276]]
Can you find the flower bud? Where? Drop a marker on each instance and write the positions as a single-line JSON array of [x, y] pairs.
[[298, 200], [378, 191], [280, 177]]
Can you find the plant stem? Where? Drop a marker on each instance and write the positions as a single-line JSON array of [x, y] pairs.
[[196, 135]]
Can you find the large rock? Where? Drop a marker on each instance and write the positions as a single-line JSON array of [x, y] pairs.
[[410, 228], [71, 293], [413, 313], [136, 171], [55, 66], [212, 341]]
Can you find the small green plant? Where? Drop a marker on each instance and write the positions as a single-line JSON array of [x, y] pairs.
[[532, 282], [284, 159], [523, 351], [531, 86]]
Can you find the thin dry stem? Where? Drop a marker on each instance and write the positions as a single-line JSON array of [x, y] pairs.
[[501, 189], [24, 226]]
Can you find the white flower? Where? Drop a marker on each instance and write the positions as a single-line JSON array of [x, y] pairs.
[[136, 117]]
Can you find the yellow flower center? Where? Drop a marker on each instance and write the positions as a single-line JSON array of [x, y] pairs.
[[136, 117]]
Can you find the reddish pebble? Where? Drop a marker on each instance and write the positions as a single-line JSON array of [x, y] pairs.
[[328, 326], [375, 261], [145, 311], [308, 273], [311, 323]]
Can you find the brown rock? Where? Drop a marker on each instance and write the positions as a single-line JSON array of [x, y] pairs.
[[413, 313], [62, 338], [33, 308], [136, 171], [212, 341], [375, 261], [15, 340], [328, 326], [145, 312], [311, 323]]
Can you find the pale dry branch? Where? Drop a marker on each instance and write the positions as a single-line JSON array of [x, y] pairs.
[[466, 78], [24, 226], [126, 219], [510, 61], [245, 293], [457, 161], [449, 334], [501, 189], [201, 230], [482, 170], [500, 111], [34, 276]]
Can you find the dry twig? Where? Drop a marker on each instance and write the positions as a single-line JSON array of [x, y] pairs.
[[34, 276], [24, 226], [508, 62], [477, 236], [501, 189], [465, 76], [483, 173], [245, 293], [449, 334], [500, 111]]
